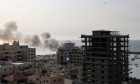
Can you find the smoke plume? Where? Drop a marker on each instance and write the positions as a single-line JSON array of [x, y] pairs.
[[48, 42], [32, 40], [7, 34], [46, 35], [44, 40]]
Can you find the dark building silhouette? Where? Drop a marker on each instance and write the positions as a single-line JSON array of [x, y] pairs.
[[135, 81], [105, 57]]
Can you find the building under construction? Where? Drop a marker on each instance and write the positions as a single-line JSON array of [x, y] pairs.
[[105, 57]]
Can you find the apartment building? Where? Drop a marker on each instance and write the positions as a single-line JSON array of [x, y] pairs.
[[105, 59], [69, 54], [17, 53]]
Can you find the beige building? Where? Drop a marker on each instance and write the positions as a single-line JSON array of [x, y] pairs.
[[17, 53], [69, 54]]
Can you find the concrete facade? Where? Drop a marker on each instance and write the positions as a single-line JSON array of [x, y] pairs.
[[17, 53], [69, 54], [105, 57]]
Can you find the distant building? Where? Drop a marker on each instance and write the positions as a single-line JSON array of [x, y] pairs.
[[48, 61], [16, 52], [50, 79], [51, 58], [69, 54], [105, 59]]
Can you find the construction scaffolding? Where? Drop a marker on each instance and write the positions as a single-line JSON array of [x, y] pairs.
[[105, 57]]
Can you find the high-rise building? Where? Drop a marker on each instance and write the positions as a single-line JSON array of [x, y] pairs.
[[105, 59], [69, 54], [17, 53]]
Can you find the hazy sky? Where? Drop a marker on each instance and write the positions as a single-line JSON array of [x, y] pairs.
[[67, 19]]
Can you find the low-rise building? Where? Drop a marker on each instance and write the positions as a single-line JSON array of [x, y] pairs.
[[16, 73], [49, 62], [50, 79]]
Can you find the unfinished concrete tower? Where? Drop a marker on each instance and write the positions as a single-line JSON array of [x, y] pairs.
[[105, 57]]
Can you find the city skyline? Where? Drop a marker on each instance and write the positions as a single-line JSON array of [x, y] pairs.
[[66, 20], [69, 41]]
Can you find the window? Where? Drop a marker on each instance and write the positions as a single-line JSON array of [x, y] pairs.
[[93, 70], [93, 75], [54, 80], [93, 65], [59, 79], [102, 77], [102, 71], [88, 59], [102, 82], [102, 60], [102, 66], [93, 81], [93, 60]]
